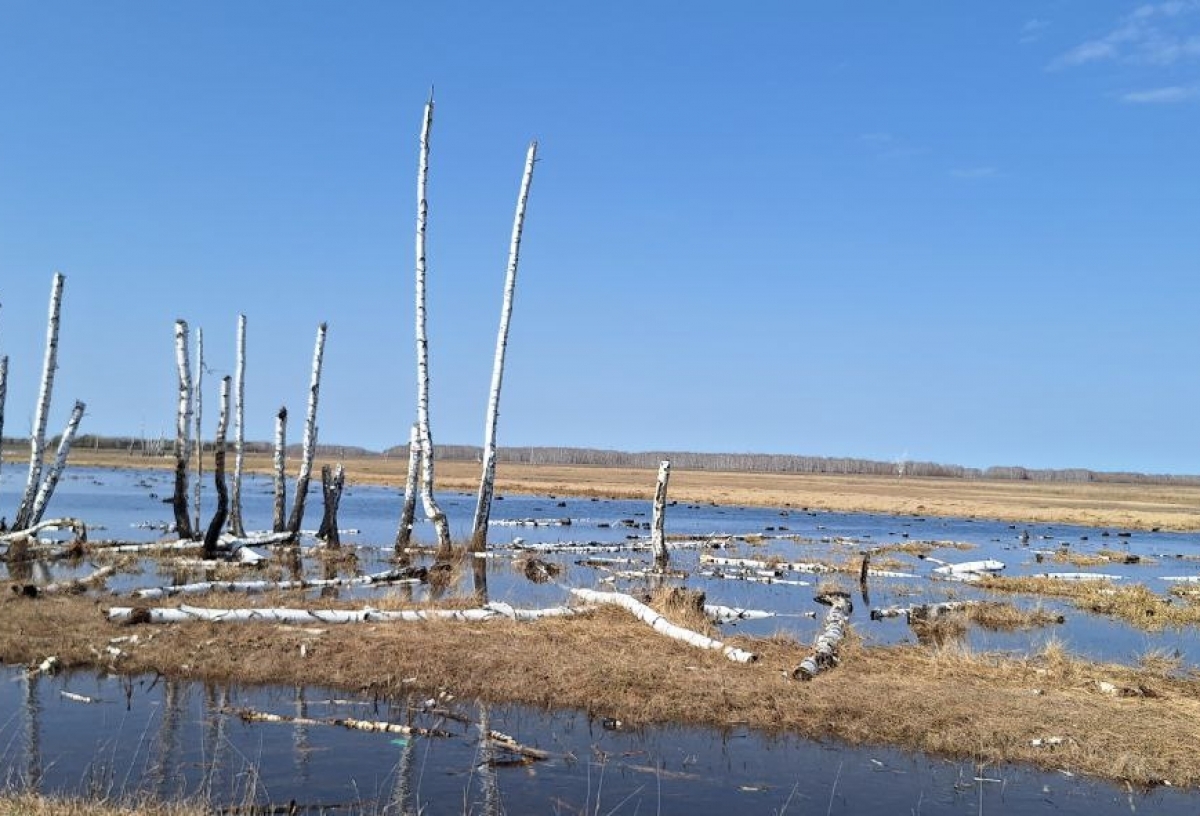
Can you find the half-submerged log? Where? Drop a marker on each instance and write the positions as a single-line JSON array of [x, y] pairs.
[[662, 625], [213, 535], [37, 439], [658, 539], [483, 506], [310, 436], [96, 578], [249, 715], [179, 499], [491, 611], [825, 650], [77, 526], [332, 482], [408, 575]]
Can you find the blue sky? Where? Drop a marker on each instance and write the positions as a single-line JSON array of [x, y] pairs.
[[953, 232]]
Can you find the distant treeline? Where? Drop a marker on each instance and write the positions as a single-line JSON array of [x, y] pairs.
[[750, 462]]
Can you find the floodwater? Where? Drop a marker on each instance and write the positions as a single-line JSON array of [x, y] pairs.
[[172, 738]]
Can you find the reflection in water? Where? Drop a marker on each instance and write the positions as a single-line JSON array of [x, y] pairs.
[[300, 736], [486, 767], [480, 570], [33, 730]]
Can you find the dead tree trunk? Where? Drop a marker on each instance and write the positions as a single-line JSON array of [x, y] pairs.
[[310, 436], [280, 470], [37, 440], [658, 539], [197, 426], [483, 507], [236, 525], [332, 482], [409, 511], [179, 501], [3, 399], [432, 511], [46, 489], [213, 534]]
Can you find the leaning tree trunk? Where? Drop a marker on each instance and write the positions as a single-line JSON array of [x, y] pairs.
[[37, 440], [310, 436], [658, 539], [46, 489], [179, 501], [404, 534], [280, 472], [432, 511], [213, 534], [3, 398], [236, 526], [483, 507], [197, 426], [332, 482]]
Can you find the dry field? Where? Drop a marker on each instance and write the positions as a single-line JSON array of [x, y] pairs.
[[1132, 506]]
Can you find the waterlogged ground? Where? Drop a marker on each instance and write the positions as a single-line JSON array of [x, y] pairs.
[[173, 739]]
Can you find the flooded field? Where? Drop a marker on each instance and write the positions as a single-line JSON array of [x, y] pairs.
[[172, 738]]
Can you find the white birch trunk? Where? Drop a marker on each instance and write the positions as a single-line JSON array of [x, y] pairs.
[[197, 427], [824, 654], [74, 525], [310, 616], [236, 525], [280, 464], [183, 523], [213, 534], [433, 513], [658, 539], [344, 722], [37, 439], [310, 435], [483, 507], [333, 480], [409, 511], [662, 625], [388, 578], [46, 489], [3, 399]]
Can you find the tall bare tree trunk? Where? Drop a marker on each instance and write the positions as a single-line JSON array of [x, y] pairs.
[[46, 489], [37, 440], [432, 511], [658, 539], [236, 525], [179, 501], [332, 481], [198, 427], [310, 436], [483, 507], [280, 470], [404, 533], [213, 534], [3, 399]]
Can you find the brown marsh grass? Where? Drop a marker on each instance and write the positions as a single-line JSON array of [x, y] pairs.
[[1134, 603]]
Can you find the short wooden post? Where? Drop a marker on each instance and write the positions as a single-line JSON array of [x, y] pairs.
[[658, 539]]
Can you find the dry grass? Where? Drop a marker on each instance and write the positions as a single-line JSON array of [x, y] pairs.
[[1005, 617], [1134, 603], [28, 804], [944, 700], [1065, 555]]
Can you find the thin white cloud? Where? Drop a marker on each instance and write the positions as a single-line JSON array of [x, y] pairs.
[[973, 173], [1033, 30], [1160, 96], [1154, 34]]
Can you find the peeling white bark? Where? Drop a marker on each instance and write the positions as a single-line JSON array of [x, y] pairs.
[[662, 625], [825, 649], [236, 525], [658, 539], [306, 616], [280, 464], [183, 419], [37, 438], [483, 506], [310, 436], [46, 489]]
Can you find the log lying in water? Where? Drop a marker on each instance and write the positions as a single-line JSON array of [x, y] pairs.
[[727, 614], [75, 586], [751, 563], [919, 611], [662, 625], [141, 614], [824, 653], [74, 525], [249, 715], [387, 578]]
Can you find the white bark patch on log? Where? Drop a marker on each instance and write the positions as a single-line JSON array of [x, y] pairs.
[[46, 490], [483, 506], [967, 570], [310, 435], [248, 715], [728, 614], [825, 649], [433, 513], [920, 611], [236, 525], [179, 502], [310, 616], [280, 464], [662, 625], [658, 540], [37, 439]]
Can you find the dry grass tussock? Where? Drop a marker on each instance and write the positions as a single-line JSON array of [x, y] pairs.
[[26, 804], [1117, 722], [1135, 603], [1065, 555]]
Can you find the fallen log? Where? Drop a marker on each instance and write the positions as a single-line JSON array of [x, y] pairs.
[[919, 611], [249, 715], [662, 625], [72, 587], [754, 577], [727, 614], [387, 578], [825, 648], [141, 614], [810, 567], [74, 525]]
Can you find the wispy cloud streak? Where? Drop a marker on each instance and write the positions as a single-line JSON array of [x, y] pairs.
[[1154, 34]]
